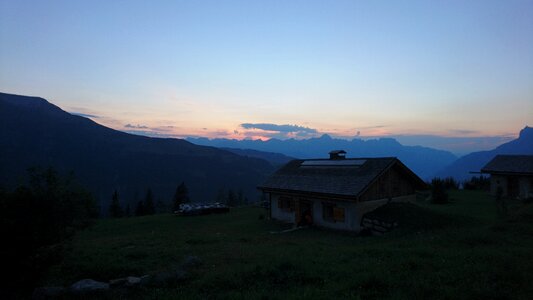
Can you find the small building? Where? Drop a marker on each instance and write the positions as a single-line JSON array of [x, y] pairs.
[[338, 191], [512, 175]]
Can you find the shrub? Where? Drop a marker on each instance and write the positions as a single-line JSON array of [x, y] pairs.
[[35, 218], [439, 195], [450, 183], [477, 183]]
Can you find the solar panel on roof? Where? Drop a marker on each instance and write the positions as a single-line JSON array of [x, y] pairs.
[[333, 163]]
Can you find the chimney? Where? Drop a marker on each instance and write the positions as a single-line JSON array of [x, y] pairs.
[[337, 154]]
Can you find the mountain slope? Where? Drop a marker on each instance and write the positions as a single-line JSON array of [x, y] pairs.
[[275, 159], [473, 162], [34, 132], [422, 160]]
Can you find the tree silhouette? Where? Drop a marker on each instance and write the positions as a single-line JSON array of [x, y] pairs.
[[115, 211], [139, 209], [439, 195], [149, 206], [240, 198], [221, 196], [127, 213], [43, 211], [181, 196], [232, 198]]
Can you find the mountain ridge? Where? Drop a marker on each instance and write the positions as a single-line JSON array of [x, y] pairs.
[[461, 169], [423, 160], [34, 132]]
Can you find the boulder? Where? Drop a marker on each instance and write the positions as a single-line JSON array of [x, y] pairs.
[[117, 282], [88, 285], [145, 280], [133, 281], [129, 281]]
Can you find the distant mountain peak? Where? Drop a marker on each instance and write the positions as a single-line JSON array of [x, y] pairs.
[[527, 132], [424, 161], [474, 161], [25, 101], [390, 141]]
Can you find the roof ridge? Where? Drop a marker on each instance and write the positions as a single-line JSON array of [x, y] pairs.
[[351, 158]]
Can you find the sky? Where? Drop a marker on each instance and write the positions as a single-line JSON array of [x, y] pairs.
[[287, 69]]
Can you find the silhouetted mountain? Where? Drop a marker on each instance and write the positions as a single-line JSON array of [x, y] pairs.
[[275, 159], [474, 161], [424, 161], [34, 132]]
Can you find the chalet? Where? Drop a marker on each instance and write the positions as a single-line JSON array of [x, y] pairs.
[[512, 175], [338, 191]]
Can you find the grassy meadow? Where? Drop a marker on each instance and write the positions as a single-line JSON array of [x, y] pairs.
[[460, 250]]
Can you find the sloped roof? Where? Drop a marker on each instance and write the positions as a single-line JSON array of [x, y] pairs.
[[344, 178], [519, 164]]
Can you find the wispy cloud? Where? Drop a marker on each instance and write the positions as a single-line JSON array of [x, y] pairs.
[[136, 126], [150, 133], [84, 115], [373, 127], [463, 132]]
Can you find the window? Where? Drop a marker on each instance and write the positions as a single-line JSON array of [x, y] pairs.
[[332, 213], [286, 204]]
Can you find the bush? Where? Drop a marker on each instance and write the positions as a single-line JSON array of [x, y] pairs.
[[450, 183], [477, 183], [35, 218], [439, 195]]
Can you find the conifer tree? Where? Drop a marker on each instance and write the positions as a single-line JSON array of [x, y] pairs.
[[221, 196], [115, 211], [127, 213], [149, 206], [181, 196], [139, 210], [240, 198], [232, 198]]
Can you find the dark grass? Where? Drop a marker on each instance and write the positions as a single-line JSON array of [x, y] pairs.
[[459, 250]]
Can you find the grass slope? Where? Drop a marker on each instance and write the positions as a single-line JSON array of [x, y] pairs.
[[461, 250]]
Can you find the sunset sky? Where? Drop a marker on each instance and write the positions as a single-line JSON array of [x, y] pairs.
[[241, 68]]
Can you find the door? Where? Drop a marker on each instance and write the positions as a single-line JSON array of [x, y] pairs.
[[305, 213], [513, 187]]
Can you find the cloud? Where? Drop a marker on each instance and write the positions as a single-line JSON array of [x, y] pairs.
[[269, 130], [463, 132], [150, 133], [279, 128], [136, 126], [373, 127], [84, 115]]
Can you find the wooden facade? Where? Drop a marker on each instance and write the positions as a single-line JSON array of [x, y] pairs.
[[389, 185], [511, 176], [337, 194]]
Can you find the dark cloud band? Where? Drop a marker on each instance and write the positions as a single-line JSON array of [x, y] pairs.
[[136, 126], [278, 128]]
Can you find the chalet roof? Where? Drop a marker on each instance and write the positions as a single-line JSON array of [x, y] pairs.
[[343, 178], [337, 152], [515, 164]]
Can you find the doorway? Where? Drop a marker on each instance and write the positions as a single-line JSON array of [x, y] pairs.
[[305, 213], [513, 187]]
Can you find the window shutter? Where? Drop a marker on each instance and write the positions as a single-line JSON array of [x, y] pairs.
[[338, 214]]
